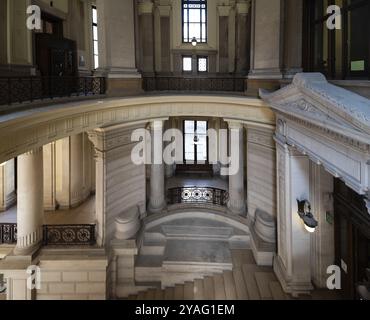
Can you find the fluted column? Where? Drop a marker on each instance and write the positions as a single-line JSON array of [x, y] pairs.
[[157, 200], [30, 212], [77, 170], [7, 185], [236, 179]]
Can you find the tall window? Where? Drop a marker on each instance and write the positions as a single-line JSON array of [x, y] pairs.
[[343, 53], [196, 142], [95, 37], [194, 16]]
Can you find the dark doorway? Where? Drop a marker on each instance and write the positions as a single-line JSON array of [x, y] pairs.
[[352, 238]]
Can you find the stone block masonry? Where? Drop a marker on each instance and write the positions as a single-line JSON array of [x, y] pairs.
[[73, 277]]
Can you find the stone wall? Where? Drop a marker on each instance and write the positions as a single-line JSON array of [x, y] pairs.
[[73, 279], [261, 165]]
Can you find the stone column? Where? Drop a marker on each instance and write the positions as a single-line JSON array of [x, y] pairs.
[[72, 168], [157, 200], [76, 170], [266, 45], [322, 241], [293, 38], [50, 202], [242, 36], [7, 185], [292, 265], [146, 35], [224, 34], [236, 181], [117, 57], [30, 210]]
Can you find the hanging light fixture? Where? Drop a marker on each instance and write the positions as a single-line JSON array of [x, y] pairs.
[[194, 42], [304, 212]]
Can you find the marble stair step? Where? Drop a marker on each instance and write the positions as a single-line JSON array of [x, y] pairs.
[[241, 257], [219, 285], [189, 291], [179, 292], [277, 291], [250, 282], [153, 247], [229, 283], [240, 286], [263, 280], [150, 295], [169, 294], [199, 289], [209, 288], [141, 296], [159, 294]]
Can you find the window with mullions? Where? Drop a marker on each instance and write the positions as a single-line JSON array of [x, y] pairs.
[[95, 37], [195, 142], [194, 16]]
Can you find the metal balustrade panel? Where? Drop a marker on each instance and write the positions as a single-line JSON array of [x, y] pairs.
[[28, 89], [194, 195]]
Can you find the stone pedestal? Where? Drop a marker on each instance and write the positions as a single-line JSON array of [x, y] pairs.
[[30, 211], [236, 203], [7, 185], [128, 224], [157, 200]]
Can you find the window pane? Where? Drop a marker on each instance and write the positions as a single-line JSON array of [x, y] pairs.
[[187, 64], [194, 16], [95, 33], [202, 127], [194, 31], [95, 16], [96, 62], [189, 127], [204, 33], [202, 148], [202, 64], [96, 49], [189, 147]]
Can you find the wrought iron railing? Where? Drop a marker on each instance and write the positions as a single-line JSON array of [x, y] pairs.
[[195, 195], [29, 89], [195, 84], [82, 234], [8, 233]]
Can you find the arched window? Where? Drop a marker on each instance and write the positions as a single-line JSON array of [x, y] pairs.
[[194, 17]]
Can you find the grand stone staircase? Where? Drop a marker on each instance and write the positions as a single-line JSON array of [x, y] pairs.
[[246, 281]]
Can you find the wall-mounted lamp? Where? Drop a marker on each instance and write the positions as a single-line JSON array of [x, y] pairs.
[[304, 211], [194, 42]]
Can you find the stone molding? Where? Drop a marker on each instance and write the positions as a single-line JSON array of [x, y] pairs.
[[29, 130], [328, 124]]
